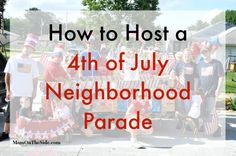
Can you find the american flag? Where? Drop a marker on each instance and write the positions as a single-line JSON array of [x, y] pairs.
[[44, 59], [171, 61], [180, 81], [211, 123]]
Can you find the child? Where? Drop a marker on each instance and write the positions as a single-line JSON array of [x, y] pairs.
[[24, 112], [61, 111], [140, 105]]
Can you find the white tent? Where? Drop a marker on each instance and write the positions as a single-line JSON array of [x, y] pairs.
[[228, 37]]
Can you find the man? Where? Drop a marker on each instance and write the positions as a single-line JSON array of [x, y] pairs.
[[90, 44], [21, 72], [210, 77], [102, 70]]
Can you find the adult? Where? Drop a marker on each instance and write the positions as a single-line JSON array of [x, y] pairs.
[[210, 76], [102, 70], [90, 44], [21, 73], [185, 72]]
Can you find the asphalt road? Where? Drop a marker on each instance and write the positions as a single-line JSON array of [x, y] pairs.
[[118, 144], [230, 126]]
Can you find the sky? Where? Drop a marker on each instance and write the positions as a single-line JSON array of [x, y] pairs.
[[17, 7], [197, 4]]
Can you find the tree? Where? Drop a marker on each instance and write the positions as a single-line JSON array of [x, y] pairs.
[[2, 4], [19, 26], [6, 22], [218, 18], [118, 18], [34, 21], [2, 9], [37, 20], [121, 4], [230, 17]]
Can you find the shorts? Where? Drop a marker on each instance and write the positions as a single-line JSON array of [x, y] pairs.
[[13, 108]]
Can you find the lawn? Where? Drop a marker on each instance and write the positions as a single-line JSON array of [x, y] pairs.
[[230, 85]]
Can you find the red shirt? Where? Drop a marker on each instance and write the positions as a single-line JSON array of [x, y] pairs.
[[139, 107], [102, 70], [54, 71]]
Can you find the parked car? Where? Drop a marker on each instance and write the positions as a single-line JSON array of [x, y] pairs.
[[3, 103]]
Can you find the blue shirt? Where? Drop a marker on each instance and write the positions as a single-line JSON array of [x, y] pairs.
[[95, 56]]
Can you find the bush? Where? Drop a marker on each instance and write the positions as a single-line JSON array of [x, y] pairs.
[[234, 104]]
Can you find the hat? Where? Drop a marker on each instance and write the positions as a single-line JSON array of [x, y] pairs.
[[31, 40], [195, 49], [58, 50]]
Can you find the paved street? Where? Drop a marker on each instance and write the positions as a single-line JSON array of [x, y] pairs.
[[161, 143]]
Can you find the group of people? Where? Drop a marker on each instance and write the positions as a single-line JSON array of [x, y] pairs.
[[21, 77], [205, 75]]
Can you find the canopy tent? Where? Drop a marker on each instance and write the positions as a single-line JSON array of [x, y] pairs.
[[211, 31], [228, 37]]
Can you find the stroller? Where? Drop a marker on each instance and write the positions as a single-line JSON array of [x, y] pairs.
[[38, 128]]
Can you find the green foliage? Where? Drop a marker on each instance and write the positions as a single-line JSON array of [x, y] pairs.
[[22, 26], [118, 18], [121, 4], [218, 18], [6, 22], [37, 19], [233, 106], [230, 16], [230, 85], [3, 3]]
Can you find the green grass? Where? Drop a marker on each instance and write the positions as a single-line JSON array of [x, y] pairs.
[[230, 85]]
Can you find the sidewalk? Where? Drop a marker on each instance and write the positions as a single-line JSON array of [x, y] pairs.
[[160, 143], [122, 147]]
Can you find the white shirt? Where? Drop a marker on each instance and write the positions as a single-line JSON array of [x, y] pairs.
[[23, 71], [63, 112], [195, 110], [130, 75]]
